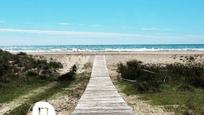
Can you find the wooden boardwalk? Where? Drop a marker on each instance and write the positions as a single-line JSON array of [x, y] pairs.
[[100, 96]]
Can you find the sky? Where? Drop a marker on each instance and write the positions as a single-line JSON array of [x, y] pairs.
[[74, 22]]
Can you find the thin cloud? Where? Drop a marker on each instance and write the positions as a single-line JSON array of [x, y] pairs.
[[151, 29], [194, 36], [16, 36], [157, 29], [55, 32], [64, 24], [78, 34]]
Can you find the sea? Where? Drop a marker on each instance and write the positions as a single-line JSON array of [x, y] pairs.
[[106, 48]]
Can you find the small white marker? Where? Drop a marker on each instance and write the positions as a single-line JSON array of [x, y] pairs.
[[43, 108]]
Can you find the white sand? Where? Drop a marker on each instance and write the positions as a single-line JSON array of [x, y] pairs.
[[68, 60]]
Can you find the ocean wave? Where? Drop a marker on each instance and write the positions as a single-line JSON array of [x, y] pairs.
[[38, 50], [106, 48]]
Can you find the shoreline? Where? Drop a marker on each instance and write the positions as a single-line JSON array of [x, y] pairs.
[[114, 52]]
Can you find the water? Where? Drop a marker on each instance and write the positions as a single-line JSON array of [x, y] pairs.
[[101, 48]]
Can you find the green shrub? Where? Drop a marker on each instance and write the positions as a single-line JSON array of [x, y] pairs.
[[185, 87], [20, 110], [193, 73], [53, 64], [149, 82], [149, 77], [69, 75], [21, 54], [40, 63], [31, 73], [21, 68], [146, 76], [131, 70]]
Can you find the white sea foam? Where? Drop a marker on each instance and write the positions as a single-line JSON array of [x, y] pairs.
[[100, 48]]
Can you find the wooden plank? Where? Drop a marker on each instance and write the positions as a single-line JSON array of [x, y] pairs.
[[100, 96]]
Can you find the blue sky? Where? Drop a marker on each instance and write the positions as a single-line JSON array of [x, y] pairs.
[[48, 22]]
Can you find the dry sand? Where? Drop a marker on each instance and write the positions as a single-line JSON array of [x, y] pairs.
[[68, 60], [152, 57], [113, 58], [80, 58]]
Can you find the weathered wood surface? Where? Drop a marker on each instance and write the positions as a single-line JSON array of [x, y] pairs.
[[100, 96]]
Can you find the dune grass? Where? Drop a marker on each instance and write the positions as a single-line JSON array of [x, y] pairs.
[[178, 101], [21, 73], [168, 97], [179, 86], [61, 86], [10, 93], [23, 109]]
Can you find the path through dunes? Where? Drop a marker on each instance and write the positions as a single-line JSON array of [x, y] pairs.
[[100, 96]]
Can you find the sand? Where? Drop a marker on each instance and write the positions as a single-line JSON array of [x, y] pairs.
[[113, 58], [80, 58], [68, 60]]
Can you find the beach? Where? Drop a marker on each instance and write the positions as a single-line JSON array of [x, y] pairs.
[[68, 59], [84, 61], [113, 58]]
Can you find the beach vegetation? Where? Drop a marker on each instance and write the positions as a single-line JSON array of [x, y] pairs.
[[74, 87], [69, 75], [145, 75], [21, 67], [87, 65], [19, 73], [179, 87]]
